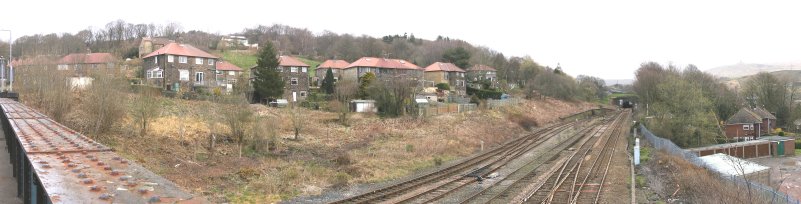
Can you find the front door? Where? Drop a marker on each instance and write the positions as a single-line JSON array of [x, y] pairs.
[[780, 149]]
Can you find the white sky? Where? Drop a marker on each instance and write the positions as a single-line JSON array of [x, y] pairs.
[[608, 38]]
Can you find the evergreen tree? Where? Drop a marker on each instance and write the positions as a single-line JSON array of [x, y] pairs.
[[364, 83], [267, 81], [458, 56], [328, 82]]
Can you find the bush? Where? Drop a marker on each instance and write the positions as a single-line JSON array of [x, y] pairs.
[[443, 86], [484, 93], [437, 161], [409, 148], [339, 180]]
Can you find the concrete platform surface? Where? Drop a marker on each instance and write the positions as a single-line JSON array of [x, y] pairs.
[[8, 188]]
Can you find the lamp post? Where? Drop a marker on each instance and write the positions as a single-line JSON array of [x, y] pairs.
[[10, 67]]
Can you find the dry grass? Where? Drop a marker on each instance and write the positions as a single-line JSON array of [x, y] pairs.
[[328, 155], [699, 185]]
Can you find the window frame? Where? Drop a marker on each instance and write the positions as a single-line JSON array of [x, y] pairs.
[[170, 58], [293, 69], [201, 76], [302, 93], [199, 60], [304, 69], [211, 61], [183, 59], [293, 81]]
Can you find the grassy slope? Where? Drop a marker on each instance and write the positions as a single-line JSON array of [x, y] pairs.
[[248, 60], [312, 65]]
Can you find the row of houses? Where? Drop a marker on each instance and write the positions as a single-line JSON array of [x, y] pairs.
[[176, 67]]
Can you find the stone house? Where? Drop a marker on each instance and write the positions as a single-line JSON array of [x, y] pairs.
[[227, 75], [481, 72], [448, 73], [383, 69], [336, 67], [178, 66], [295, 75]]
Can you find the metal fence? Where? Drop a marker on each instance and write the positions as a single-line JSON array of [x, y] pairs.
[[762, 192]]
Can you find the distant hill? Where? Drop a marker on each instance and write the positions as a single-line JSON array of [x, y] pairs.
[[747, 69], [610, 82]]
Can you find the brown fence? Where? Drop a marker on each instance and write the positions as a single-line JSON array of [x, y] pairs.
[[446, 108]]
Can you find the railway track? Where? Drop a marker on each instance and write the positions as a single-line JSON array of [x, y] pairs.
[[433, 186], [581, 175], [476, 166], [506, 189]]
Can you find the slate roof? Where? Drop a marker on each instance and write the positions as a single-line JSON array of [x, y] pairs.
[[762, 113], [744, 115], [445, 67]]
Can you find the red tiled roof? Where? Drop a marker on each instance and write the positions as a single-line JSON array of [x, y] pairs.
[[334, 64], [481, 67], [182, 50], [288, 61], [225, 66], [90, 58], [383, 63], [445, 67]]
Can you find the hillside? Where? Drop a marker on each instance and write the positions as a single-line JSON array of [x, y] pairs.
[[746, 69]]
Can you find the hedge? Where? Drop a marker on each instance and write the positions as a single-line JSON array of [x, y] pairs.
[[484, 94]]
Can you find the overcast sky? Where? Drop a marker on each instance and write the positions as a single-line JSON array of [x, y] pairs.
[[608, 38]]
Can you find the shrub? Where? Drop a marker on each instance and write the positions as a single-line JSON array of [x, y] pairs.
[[409, 148], [437, 161], [443, 86], [484, 93], [340, 180]]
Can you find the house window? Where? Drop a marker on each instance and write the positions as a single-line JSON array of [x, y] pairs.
[[198, 77], [336, 79], [170, 58], [63, 67], [280, 69], [302, 94], [183, 75], [231, 73], [293, 69], [182, 59], [303, 69], [211, 61], [218, 72], [745, 127], [446, 75], [333, 71], [155, 74], [156, 61], [293, 81], [198, 60]]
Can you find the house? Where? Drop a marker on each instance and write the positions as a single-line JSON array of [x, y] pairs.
[[175, 66], [236, 42], [383, 69], [147, 45], [227, 74], [447, 73], [749, 123], [768, 120], [480, 72], [82, 64], [336, 67]]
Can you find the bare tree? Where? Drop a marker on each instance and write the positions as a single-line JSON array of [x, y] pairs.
[[145, 107], [345, 91], [48, 91], [237, 117], [105, 101], [297, 116]]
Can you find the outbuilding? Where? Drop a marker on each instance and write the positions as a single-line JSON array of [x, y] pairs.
[[735, 167]]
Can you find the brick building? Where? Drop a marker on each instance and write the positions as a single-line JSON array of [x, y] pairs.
[[482, 72], [227, 75], [383, 69], [749, 123]]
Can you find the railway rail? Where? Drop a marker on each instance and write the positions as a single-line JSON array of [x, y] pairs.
[[581, 176], [55, 164], [434, 186]]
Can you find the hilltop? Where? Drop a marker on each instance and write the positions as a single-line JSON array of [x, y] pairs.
[[747, 69]]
